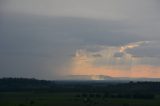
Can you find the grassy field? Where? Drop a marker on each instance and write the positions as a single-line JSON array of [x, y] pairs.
[[69, 99]]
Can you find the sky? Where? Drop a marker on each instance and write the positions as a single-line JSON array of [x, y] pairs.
[[50, 39]]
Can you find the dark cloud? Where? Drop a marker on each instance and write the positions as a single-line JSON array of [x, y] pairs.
[[35, 42], [38, 38], [118, 54], [151, 49], [39, 41], [96, 55]]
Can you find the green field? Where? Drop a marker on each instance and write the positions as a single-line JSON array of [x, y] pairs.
[[69, 99]]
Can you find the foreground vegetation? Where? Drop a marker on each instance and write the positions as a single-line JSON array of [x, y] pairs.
[[31, 92], [70, 99]]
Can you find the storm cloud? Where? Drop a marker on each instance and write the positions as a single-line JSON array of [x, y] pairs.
[[40, 38]]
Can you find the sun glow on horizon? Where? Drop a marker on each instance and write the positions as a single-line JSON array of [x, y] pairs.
[[104, 63]]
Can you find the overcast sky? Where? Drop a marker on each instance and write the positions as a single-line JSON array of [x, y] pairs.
[[48, 39]]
